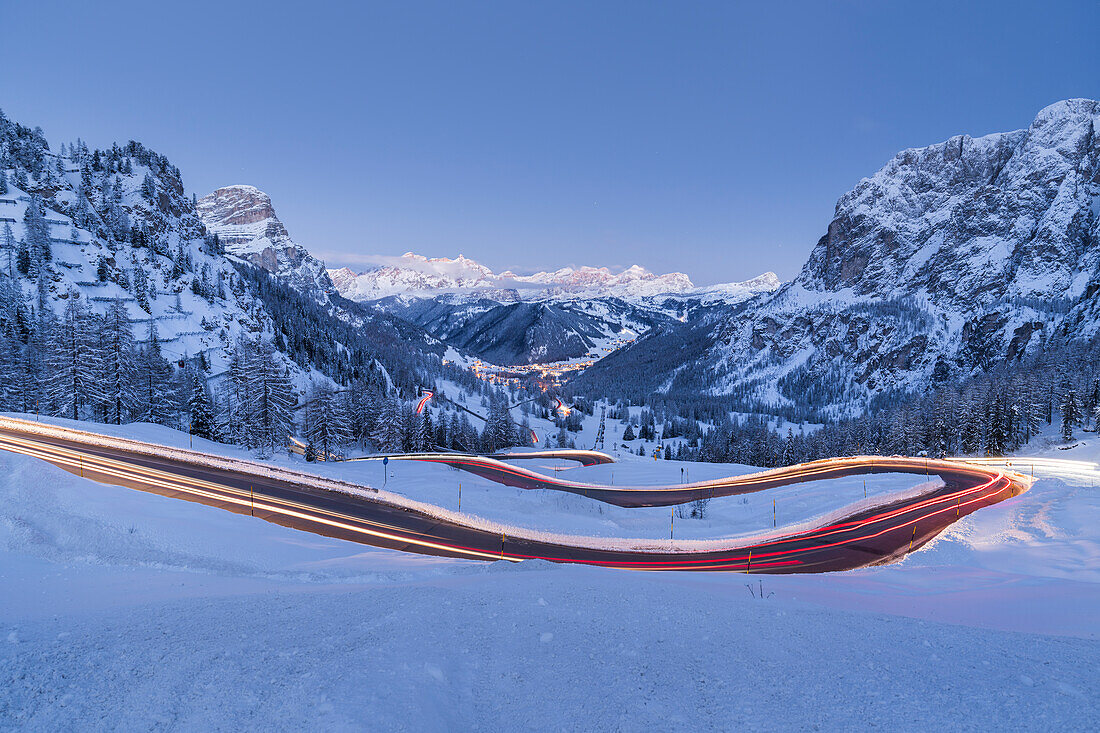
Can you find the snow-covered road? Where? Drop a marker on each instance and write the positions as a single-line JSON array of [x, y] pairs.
[[874, 533], [124, 609]]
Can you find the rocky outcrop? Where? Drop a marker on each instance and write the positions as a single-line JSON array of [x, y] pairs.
[[245, 222], [950, 259]]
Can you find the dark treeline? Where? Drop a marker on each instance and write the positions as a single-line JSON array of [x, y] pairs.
[[992, 413], [343, 341], [85, 366]]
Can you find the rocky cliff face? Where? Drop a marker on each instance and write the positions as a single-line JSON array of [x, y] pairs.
[[950, 259], [245, 221], [971, 220]]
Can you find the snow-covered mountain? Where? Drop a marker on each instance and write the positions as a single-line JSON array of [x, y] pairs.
[[416, 276], [548, 316], [120, 228], [244, 220], [951, 258], [115, 227]]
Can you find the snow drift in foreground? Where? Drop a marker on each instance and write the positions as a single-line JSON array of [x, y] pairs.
[[129, 610]]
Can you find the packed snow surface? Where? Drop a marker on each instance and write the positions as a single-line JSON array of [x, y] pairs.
[[130, 610]]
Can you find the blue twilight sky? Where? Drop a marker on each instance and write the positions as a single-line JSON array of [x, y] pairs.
[[707, 137]]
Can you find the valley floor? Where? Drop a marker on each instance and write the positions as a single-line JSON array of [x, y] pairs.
[[127, 610]]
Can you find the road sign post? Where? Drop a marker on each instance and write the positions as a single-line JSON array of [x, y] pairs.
[[385, 470]]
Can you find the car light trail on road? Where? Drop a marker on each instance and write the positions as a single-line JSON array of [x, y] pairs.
[[361, 514]]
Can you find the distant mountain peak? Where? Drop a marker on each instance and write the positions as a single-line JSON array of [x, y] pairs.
[[415, 275]]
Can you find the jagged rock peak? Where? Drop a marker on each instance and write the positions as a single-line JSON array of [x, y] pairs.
[[245, 221], [237, 205]]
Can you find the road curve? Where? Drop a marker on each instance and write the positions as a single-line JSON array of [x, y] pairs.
[[494, 469], [581, 456], [361, 514]]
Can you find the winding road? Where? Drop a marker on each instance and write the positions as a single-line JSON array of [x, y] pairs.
[[361, 514]]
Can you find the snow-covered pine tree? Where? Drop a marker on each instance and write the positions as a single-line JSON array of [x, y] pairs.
[[440, 438], [564, 441], [269, 410], [425, 433], [454, 432], [387, 436], [361, 409], [409, 424], [73, 362], [1070, 411], [141, 287], [200, 408], [233, 399], [36, 234], [9, 247], [157, 401], [148, 188], [326, 420], [118, 372], [498, 432]]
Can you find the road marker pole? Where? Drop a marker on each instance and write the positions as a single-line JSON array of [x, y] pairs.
[[914, 537], [252, 500], [773, 514], [503, 535], [749, 563], [459, 496], [671, 522]]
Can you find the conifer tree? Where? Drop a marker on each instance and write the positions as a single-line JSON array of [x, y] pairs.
[[8, 244], [156, 400], [326, 420], [235, 395], [425, 432], [36, 234], [200, 409], [271, 400], [1071, 413], [118, 375], [387, 431], [74, 361]]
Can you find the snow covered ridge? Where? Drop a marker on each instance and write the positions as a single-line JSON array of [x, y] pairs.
[[116, 225], [414, 275], [950, 259], [244, 220]]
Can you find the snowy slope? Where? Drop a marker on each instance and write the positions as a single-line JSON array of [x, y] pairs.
[[122, 227], [950, 259], [188, 323], [133, 610]]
